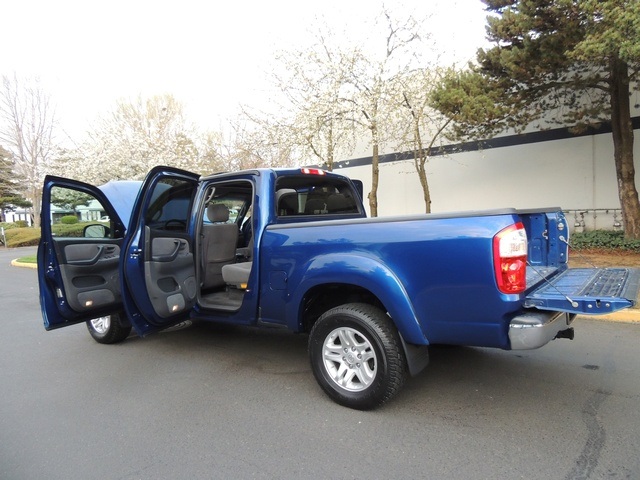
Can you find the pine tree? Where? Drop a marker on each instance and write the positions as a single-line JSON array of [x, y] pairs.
[[9, 196], [566, 62]]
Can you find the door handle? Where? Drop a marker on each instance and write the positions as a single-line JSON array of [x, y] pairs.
[[170, 257], [88, 261]]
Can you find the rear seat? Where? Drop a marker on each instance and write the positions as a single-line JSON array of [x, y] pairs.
[[237, 274]]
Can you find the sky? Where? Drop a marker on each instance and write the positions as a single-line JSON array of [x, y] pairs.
[[211, 56]]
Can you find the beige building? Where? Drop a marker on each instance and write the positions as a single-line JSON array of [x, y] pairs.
[[551, 168]]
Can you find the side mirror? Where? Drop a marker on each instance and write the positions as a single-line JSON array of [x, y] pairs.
[[96, 231]]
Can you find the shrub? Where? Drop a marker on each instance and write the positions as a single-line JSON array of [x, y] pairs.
[[29, 237], [69, 219], [21, 223], [8, 225], [65, 230], [603, 240], [22, 237]]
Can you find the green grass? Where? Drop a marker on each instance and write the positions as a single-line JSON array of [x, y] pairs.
[[28, 259]]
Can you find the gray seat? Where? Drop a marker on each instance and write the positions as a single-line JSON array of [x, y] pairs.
[[219, 240], [315, 206], [287, 202], [340, 203], [237, 274]]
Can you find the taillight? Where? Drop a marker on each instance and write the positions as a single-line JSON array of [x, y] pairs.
[[510, 259], [312, 171]]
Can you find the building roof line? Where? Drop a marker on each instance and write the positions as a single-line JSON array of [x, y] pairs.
[[548, 135]]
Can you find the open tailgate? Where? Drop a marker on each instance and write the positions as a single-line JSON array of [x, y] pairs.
[[587, 291]]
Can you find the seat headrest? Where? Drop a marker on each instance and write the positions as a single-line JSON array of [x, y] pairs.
[[337, 203], [217, 213], [284, 191]]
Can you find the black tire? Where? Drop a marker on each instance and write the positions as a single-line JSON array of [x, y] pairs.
[[357, 356], [108, 329]]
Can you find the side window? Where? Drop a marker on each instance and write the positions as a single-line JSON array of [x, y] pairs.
[[230, 202], [234, 206], [170, 205], [235, 197], [310, 195], [77, 214]]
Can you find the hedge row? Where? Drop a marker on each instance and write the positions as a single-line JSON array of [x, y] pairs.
[[28, 237], [10, 225], [603, 240]]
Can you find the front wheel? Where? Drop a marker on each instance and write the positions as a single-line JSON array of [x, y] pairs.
[[357, 356], [108, 329]]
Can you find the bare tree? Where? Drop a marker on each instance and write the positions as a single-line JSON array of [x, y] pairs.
[[422, 126], [27, 131], [370, 86]]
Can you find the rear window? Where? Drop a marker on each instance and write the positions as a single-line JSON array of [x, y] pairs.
[[314, 195]]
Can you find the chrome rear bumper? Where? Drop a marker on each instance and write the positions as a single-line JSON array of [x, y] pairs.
[[537, 328]]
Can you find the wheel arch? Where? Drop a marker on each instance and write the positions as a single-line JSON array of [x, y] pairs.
[[362, 280]]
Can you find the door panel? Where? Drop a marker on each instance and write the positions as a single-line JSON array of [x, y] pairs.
[[90, 274], [170, 276], [159, 288], [78, 254]]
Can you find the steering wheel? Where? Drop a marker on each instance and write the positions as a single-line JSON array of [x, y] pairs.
[[175, 224]]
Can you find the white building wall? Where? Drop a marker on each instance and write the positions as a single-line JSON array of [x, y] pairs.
[[574, 174]]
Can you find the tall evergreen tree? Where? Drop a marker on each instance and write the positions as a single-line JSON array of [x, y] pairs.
[[9, 195], [569, 62]]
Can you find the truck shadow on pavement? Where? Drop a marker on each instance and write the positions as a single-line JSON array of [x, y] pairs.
[[458, 378]]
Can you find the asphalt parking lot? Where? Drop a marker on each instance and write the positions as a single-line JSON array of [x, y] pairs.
[[208, 402]]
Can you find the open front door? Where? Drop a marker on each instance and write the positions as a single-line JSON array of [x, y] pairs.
[[159, 286], [78, 254]]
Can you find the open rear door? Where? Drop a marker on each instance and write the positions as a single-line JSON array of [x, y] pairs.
[[78, 254], [159, 280], [587, 291]]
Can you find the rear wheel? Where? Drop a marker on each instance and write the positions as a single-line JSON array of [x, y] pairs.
[[356, 356], [108, 329]]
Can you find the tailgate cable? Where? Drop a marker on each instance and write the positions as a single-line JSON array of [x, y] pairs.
[[582, 257], [573, 303]]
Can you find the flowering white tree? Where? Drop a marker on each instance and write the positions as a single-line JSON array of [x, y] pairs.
[[27, 120], [313, 115], [133, 138], [264, 141], [370, 87], [339, 92]]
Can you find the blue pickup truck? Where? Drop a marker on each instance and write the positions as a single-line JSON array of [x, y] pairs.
[[293, 248]]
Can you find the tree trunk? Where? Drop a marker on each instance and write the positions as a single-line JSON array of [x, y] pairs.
[[375, 177], [330, 148], [420, 159], [426, 193], [622, 131], [36, 208]]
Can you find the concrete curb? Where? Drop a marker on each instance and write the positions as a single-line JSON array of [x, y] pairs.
[[629, 315], [16, 263]]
